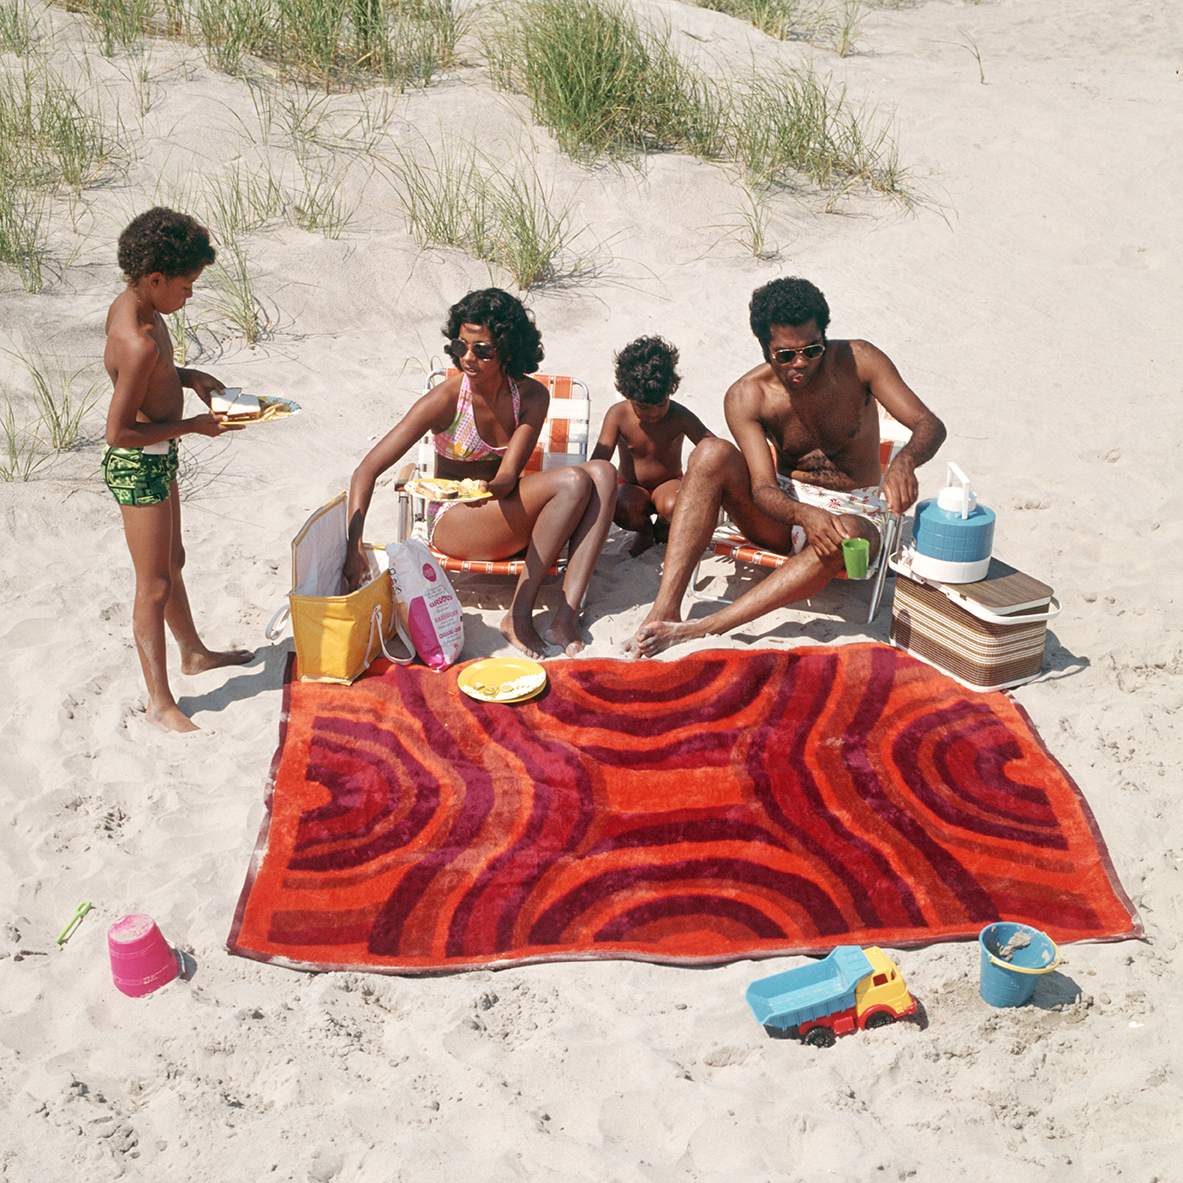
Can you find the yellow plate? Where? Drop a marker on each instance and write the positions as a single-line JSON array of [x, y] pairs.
[[503, 679], [418, 489]]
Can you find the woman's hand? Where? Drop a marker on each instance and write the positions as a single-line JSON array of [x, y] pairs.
[[500, 487], [357, 568]]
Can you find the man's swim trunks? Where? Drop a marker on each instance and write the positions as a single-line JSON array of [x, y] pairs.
[[862, 503], [138, 477]]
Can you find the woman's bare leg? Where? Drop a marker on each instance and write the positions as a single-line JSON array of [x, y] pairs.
[[586, 544], [570, 503]]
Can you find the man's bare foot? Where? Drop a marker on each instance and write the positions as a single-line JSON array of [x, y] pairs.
[[565, 633], [197, 662], [524, 637], [655, 635], [643, 540], [170, 718]]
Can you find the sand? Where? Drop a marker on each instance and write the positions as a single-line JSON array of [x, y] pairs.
[[1031, 299]]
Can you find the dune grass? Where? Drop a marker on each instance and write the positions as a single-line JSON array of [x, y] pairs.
[[18, 27], [22, 235], [63, 400], [19, 454], [503, 213], [602, 84], [599, 82]]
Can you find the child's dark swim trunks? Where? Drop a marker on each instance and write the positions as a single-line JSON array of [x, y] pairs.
[[136, 477]]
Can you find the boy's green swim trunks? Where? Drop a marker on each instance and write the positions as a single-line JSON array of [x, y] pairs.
[[139, 478]]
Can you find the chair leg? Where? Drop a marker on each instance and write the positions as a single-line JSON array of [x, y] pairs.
[[694, 585], [894, 523]]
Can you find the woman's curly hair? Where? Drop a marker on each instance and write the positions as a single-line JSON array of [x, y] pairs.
[[166, 241], [646, 370], [510, 325]]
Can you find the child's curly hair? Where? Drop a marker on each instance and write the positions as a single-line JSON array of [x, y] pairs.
[[166, 241], [645, 370], [510, 325]]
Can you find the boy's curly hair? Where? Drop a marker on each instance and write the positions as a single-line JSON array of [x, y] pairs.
[[511, 327], [791, 301], [646, 370], [166, 241]]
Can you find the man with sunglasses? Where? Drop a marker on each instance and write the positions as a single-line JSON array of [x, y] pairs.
[[805, 475]]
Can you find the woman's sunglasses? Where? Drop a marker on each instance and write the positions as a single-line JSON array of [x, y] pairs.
[[481, 350], [785, 357]]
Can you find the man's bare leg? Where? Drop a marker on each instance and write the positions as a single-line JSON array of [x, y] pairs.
[[715, 472], [799, 577]]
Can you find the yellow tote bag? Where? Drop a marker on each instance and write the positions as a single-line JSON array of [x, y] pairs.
[[337, 633]]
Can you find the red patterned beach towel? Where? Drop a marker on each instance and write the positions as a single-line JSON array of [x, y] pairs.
[[732, 803]]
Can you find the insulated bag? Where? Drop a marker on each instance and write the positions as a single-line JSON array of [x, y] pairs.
[[337, 633]]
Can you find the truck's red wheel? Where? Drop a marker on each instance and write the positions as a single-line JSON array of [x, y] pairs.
[[819, 1037], [880, 1018]]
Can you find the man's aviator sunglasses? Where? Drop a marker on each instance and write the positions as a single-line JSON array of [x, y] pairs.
[[481, 350], [785, 357]]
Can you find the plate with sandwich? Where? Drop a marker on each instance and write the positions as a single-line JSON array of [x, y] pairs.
[[440, 489], [502, 679], [240, 407]]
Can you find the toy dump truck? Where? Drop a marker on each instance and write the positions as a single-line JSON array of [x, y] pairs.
[[850, 988]]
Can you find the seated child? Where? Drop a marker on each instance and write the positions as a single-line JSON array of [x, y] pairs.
[[649, 430], [162, 254]]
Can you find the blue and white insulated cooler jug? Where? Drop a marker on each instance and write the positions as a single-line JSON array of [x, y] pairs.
[[952, 534]]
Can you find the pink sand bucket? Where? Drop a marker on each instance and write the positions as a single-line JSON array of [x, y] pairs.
[[141, 959]]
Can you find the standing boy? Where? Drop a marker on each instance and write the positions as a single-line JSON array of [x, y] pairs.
[[649, 430], [161, 253]]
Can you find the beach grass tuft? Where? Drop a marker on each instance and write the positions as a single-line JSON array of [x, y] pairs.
[[20, 456], [18, 28], [599, 82], [231, 279], [506, 215], [22, 235], [63, 400]]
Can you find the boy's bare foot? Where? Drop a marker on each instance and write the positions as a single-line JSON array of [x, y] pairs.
[[197, 662], [643, 540], [655, 635], [524, 637], [170, 718]]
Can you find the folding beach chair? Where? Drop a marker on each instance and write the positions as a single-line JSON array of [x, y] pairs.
[[563, 440], [728, 543]]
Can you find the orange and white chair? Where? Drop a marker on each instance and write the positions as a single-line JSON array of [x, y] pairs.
[[728, 543], [563, 440]]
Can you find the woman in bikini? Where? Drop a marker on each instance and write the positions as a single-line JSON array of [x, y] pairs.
[[485, 422]]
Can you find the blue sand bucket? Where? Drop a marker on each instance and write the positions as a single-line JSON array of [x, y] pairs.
[[1011, 981]]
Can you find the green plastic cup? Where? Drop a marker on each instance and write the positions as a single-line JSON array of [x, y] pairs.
[[856, 553]]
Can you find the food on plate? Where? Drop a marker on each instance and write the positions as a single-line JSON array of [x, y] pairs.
[[236, 406], [276, 409], [440, 489]]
